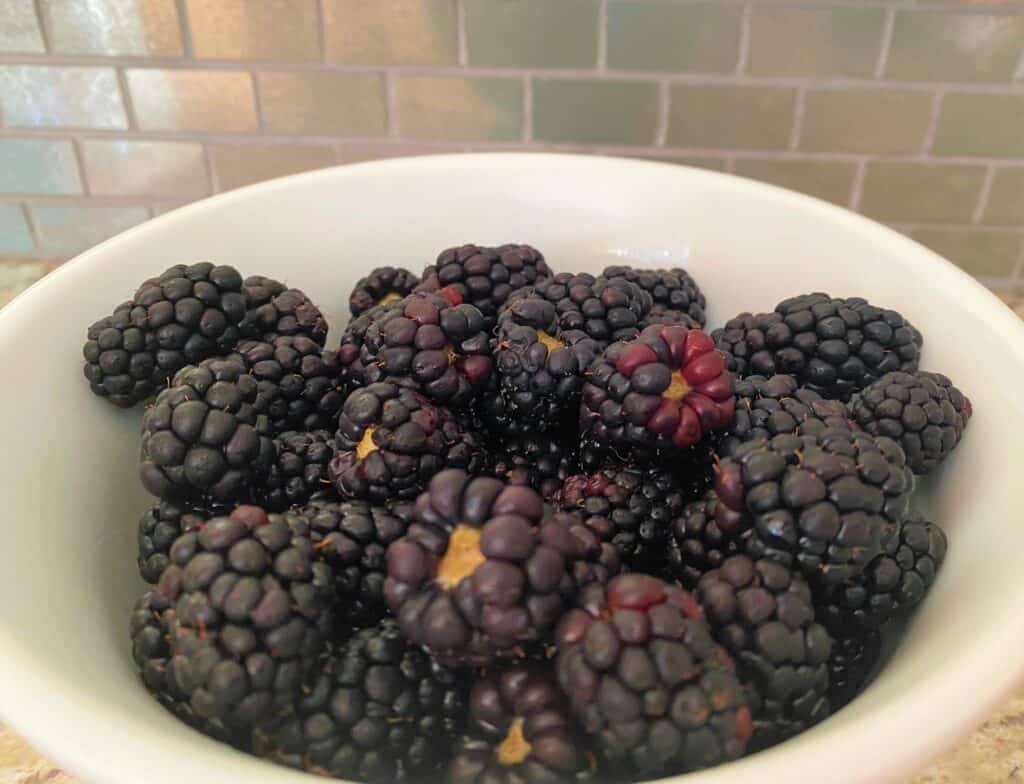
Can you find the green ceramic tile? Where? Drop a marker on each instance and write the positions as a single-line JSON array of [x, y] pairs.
[[15, 236], [65, 231], [731, 116], [587, 111], [454, 109], [20, 29], [532, 33], [1006, 199], [391, 32], [839, 41], [865, 120], [38, 166], [981, 124], [919, 192], [954, 46], [40, 96], [987, 254], [829, 180], [323, 103], [660, 35]]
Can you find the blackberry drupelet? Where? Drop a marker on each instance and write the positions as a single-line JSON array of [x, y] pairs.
[[665, 390], [762, 614], [521, 730], [251, 611], [159, 527], [205, 435], [382, 285], [895, 581], [644, 676], [392, 440], [850, 666], [379, 710], [121, 357], [299, 384], [352, 339], [924, 412], [668, 318], [483, 570], [701, 537], [484, 277], [818, 503], [673, 290], [540, 368], [834, 346], [299, 470], [272, 310], [542, 461], [439, 349]]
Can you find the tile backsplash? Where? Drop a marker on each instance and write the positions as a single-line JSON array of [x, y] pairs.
[[114, 111]]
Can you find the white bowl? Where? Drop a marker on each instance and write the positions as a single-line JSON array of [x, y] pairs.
[[71, 498]]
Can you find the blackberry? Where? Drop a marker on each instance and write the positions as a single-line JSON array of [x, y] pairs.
[[924, 412], [669, 318], [766, 407], [482, 570], [644, 675], [251, 611], [834, 346], [272, 310], [484, 277], [159, 528], [673, 290], [352, 339], [439, 349], [205, 436], [299, 470], [391, 440], [379, 710], [894, 581], [382, 285], [762, 614], [540, 367], [851, 665], [183, 316], [665, 390], [298, 382], [819, 503], [702, 536], [521, 730], [542, 461]]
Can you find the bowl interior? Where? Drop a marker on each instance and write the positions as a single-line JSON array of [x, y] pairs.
[[72, 499]]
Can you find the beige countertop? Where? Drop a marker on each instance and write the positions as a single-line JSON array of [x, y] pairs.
[[994, 753]]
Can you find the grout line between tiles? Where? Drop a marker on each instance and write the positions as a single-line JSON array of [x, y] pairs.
[[44, 27], [664, 111], [126, 100], [391, 103], [185, 27], [76, 150], [1018, 72], [933, 124], [212, 180], [984, 194], [257, 102], [743, 55], [33, 229], [886, 45], [321, 31], [798, 118], [602, 36], [857, 188], [526, 133], [461, 32]]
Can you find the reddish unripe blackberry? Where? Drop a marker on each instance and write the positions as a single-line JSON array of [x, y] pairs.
[[299, 470], [762, 614], [701, 537], [542, 461], [272, 310], [923, 412], [644, 676], [382, 285], [392, 440], [673, 291], [665, 390], [483, 570], [851, 665], [520, 730]]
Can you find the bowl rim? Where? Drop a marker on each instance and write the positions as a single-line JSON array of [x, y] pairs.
[[60, 720]]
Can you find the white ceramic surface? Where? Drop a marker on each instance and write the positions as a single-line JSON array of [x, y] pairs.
[[70, 500]]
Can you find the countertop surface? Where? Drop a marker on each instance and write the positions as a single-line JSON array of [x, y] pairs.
[[993, 753]]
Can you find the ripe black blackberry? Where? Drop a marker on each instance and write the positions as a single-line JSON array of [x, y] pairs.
[[834, 346], [542, 461], [273, 310], [850, 666], [665, 390], [251, 610], [818, 503], [701, 537], [668, 318], [350, 347], [424, 342], [382, 285], [392, 440], [298, 382], [183, 316], [159, 527], [924, 412], [484, 277], [673, 290], [205, 435], [521, 730], [762, 614], [299, 470], [644, 676], [483, 570], [895, 581]]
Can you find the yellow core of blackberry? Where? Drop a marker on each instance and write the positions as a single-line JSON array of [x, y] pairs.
[[677, 388], [514, 748], [462, 557], [391, 296], [548, 342], [366, 445], [452, 354]]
